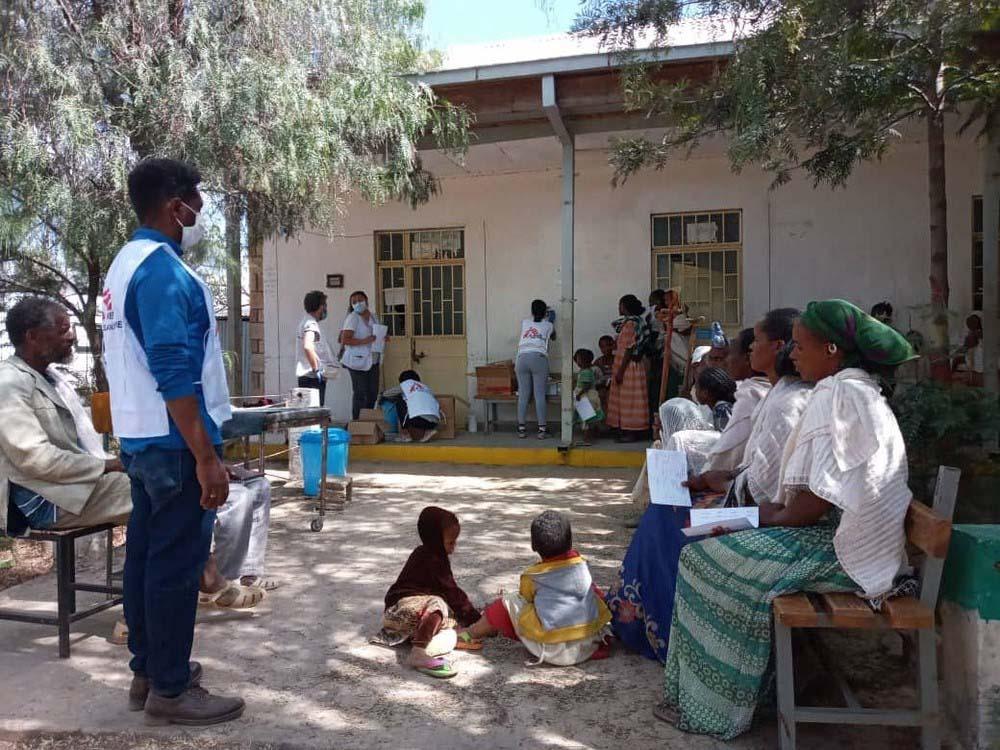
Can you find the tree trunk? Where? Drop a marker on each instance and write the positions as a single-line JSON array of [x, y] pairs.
[[234, 292], [940, 290], [175, 13], [95, 283], [991, 220], [94, 339], [255, 263]]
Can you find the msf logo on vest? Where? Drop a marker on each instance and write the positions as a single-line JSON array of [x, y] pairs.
[[532, 333], [109, 323]]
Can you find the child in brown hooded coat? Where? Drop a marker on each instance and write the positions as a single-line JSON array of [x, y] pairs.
[[425, 600]]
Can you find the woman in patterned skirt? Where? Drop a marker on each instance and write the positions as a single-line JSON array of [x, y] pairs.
[[835, 525], [628, 402]]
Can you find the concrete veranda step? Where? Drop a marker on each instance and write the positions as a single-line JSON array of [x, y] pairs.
[[502, 454], [494, 449]]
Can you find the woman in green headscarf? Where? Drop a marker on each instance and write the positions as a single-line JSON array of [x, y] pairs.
[[836, 525]]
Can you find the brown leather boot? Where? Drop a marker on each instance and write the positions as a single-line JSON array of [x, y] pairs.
[[195, 707], [139, 689]]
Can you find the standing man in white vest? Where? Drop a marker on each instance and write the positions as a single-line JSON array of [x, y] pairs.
[[168, 401]]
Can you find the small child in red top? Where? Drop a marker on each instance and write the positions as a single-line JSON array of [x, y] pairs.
[[424, 603]]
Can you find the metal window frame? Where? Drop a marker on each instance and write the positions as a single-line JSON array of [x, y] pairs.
[[408, 264], [704, 247]]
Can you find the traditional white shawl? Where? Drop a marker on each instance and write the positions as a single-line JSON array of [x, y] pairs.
[[773, 421], [696, 445], [678, 414], [86, 435], [848, 450], [707, 449], [727, 452]]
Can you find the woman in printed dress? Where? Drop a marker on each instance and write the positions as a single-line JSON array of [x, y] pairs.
[[836, 524], [628, 402]]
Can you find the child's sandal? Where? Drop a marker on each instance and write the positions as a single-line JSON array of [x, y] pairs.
[[437, 668], [522, 431], [467, 643]]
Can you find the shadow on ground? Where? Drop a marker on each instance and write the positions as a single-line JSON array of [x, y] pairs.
[[312, 680]]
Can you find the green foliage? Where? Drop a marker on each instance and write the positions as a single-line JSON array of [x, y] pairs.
[[943, 424], [288, 107], [812, 86]]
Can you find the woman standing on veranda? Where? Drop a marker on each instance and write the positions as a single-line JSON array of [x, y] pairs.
[[628, 402], [836, 524], [532, 367], [358, 335]]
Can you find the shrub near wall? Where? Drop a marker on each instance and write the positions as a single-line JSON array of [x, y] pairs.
[[954, 425]]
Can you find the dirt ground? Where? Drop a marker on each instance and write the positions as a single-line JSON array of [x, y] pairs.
[[21, 560], [310, 678]]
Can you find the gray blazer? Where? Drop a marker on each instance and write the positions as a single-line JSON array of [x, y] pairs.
[[38, 442]]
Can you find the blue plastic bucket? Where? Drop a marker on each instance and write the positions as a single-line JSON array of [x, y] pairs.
[[390, 416], [311, 442]]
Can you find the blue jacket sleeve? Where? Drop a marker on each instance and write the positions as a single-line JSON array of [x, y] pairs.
[[160, 290]]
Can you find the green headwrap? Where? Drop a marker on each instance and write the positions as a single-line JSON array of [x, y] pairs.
[[863, 339]]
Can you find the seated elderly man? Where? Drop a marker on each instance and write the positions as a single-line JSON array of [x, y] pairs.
[[54, 473]]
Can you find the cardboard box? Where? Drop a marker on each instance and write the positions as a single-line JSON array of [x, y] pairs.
[[365, 433], [496, 379], [372, 415], [447, 426]]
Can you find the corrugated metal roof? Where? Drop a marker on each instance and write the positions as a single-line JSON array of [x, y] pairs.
[[557, 46]]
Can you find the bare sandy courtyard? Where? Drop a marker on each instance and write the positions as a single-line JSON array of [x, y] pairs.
[[303, 662]]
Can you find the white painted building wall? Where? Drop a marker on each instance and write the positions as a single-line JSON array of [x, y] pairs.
[[866, 242]]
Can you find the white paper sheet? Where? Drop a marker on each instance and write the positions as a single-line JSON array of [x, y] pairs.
[[704, 520], [585, 409], [394, 297], [380, 332], [665, 471]]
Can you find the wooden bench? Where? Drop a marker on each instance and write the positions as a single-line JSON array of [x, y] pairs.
[[493, 402], [930, 531], [64, 544]]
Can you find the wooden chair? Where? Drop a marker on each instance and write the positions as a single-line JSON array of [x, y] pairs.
[[64, 545], [930, 531], [64, 552]]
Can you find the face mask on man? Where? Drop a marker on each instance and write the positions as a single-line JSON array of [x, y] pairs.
[[192, 235], [322, 315], [360, 307]]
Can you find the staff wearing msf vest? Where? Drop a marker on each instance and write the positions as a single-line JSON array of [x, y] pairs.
[[168, 400]]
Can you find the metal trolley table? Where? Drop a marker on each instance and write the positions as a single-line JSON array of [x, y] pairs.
[[250, 422]]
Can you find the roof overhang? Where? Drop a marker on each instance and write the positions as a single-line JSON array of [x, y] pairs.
[[582, 93], [575, 64]]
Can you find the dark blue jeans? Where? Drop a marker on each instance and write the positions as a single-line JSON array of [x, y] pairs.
[[169, 537]]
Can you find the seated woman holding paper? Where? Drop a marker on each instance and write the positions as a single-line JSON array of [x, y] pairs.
[[773, 419], [642, 600], [835, 525], [687, 426], [707, 449]]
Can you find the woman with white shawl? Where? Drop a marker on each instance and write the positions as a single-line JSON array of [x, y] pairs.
[[641, 601], [835, 524], [773, 419], [707, 448]]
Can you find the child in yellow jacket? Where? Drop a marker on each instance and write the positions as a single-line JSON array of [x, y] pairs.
[[558, 613]]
